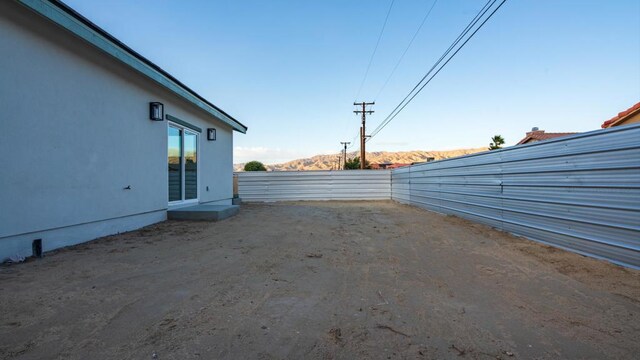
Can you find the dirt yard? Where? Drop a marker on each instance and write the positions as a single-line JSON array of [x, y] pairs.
[[318, 280]]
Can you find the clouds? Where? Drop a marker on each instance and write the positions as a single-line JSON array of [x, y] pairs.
[[266, 155]]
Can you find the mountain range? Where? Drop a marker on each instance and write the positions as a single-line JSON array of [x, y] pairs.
[[330, 161]]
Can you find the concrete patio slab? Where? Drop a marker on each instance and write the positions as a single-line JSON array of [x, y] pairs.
[[204, 212]]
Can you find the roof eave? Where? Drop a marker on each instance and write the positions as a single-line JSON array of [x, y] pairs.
[[626, 117], [80, 26]]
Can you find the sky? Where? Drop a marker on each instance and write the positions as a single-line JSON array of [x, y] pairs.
[[291, 70]]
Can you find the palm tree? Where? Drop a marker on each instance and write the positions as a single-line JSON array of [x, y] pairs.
[[496, 142]]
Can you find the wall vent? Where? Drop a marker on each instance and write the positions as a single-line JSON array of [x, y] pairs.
[[36, 248]]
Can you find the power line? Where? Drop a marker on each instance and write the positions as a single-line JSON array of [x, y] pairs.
[[455, 42], [366, 73], [436, 73], [424, 19], [421, 84], [353, 140]]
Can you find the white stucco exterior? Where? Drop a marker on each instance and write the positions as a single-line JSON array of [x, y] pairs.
[[75, 132]]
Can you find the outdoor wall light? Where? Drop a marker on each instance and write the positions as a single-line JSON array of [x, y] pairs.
[[211, 134], [156, 111]]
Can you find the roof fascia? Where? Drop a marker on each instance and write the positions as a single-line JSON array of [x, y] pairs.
[[80, 29]]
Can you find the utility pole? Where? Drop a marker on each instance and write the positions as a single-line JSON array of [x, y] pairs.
[[363, 130], [345, 154]]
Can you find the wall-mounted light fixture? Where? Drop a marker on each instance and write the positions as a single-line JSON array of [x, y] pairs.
[[211, 134], [156, 111]]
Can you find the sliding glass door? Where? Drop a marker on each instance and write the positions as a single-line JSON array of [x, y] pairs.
[[175, 164], [183, 164], [190, 165]]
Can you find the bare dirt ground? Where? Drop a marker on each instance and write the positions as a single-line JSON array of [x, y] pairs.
[[319, 280]]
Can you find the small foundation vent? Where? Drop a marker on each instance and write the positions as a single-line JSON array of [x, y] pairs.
[[36, 247]]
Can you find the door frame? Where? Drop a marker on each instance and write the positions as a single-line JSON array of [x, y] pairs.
[[182, 201]]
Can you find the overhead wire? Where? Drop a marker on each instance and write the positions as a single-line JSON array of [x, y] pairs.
[[422, 83], [453, 44], [353, 141], [395, 67], [375, 49]]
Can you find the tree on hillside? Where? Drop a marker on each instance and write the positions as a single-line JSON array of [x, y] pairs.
[[254, 166], [354, 164], [496, 142]]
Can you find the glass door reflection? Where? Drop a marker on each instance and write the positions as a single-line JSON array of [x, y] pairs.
[[175, 163], [190, 165]]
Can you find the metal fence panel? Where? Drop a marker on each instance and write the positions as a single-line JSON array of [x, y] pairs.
[[400, 185], [580, 192], [259, 186]]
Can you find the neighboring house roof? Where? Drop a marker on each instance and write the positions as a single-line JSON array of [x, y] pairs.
[[387, 165], [631, 115], [539, 135], [77, 24], [395, 166]]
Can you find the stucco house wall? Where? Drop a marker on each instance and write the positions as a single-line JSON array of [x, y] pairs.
[[75, 132]]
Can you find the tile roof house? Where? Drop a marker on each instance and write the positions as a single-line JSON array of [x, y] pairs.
[[387, 165], [629, 116], [536, 135]]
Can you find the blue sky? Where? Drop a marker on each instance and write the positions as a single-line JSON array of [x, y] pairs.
[[290, 70]]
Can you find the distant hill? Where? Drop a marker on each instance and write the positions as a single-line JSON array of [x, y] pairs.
[[328, 162]]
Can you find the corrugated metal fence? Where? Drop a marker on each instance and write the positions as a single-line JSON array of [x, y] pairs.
[[580, 192], [314, 185]]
